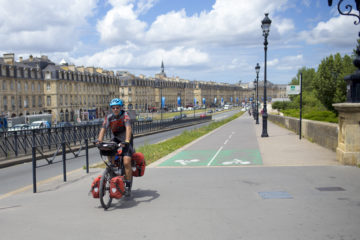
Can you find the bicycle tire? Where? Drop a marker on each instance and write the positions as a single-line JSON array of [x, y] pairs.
[[104, 190]]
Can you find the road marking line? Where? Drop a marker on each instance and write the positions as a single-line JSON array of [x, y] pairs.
[[226, 141], [215, 156]]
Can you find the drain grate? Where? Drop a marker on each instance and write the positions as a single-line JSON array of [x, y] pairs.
[[330, 189], [275, 195]]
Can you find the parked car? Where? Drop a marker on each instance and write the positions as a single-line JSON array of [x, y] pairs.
[[140, 119], [148, 119], [19, 127], [63, 124], [177, 117], [39, 124], [210, 111], [183, 115], [202, 115]]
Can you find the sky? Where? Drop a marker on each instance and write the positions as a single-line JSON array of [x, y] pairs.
[[204, 40]]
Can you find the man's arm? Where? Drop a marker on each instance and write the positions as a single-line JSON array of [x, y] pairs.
[[128, 133], [101, 135]]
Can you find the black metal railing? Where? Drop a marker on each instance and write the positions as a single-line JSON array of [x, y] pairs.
[[15, 144]]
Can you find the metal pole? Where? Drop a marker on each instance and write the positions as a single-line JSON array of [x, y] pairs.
[[265, 116], [64, 154], [34, 161], [87, 154], [257, 98], [300, 106]]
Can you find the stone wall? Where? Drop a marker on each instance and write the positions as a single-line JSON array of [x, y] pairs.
[[324, 134]]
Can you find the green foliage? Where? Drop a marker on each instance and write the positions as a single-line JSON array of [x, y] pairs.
[[329, 84], [311, 114]]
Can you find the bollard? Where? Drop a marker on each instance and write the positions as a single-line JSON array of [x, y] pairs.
[[34, 161], [63, 153], [87, 155]]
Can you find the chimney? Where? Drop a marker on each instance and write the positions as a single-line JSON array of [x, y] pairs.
[[9, 58], [31, 58], [20, 59]]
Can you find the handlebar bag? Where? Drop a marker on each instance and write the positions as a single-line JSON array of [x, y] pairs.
[[140, 164], [117, 187], [95, 187]]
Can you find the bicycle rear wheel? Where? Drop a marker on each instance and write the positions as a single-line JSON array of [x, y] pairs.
[[104, 190]]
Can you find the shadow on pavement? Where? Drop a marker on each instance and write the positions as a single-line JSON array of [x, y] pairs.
[[137, 196]]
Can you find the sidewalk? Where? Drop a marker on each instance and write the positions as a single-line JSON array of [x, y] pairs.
[[284, 148]]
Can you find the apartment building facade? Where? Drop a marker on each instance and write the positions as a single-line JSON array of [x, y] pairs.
[[72, 93]]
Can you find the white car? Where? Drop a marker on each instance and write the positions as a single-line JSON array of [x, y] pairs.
[[39, 124]]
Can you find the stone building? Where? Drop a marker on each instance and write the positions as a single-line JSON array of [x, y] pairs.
[[71, 93]]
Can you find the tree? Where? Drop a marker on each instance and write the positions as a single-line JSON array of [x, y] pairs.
[[329, 84]]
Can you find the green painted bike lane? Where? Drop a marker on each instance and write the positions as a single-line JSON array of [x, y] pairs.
[[234, 144], [228, 157]]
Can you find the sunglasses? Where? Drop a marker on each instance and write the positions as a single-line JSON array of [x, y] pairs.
[[115, 108]]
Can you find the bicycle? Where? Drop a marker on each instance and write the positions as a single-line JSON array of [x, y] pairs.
[[112, 170]]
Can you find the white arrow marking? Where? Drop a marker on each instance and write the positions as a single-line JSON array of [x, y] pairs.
[[237, 161], [186, 162]]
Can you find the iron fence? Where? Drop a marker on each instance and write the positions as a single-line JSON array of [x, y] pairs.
[[15, 144]]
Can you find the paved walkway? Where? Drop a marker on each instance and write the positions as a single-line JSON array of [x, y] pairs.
[[284, 188]]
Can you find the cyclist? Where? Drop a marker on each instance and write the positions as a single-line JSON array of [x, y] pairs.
[[119, 123]]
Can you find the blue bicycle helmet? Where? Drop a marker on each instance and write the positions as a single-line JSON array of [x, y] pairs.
[[116, 102]]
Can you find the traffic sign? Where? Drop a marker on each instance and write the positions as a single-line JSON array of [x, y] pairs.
[[293, 89]]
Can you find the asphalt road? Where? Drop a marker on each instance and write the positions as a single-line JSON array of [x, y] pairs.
[[19, 176]]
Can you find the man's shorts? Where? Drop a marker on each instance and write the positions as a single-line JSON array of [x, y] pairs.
[[128, 150]]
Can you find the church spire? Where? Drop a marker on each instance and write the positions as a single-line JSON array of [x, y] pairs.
[[162, 67]]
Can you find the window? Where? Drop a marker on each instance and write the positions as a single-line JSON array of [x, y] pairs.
[[26, 88], [20, 101], [61, 100], [48, 75], [4, 87], [48, 86], [33, 101], [18, 86], [13, 102], [32, 87], [48, 100], [26, 102], [40, 101], [39, 87], [5, 103]]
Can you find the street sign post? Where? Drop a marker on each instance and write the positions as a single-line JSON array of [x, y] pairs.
[[293, 89]]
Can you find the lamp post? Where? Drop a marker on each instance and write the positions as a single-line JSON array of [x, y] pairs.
[[352, 80], [265, 25], [257, 70], [254, 100]]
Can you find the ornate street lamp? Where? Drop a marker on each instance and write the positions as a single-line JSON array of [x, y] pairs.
[[254, 100], [265, 25], [352, 80], [257, 70]]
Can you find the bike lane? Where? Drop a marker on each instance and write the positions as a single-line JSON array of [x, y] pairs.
[[234, 144]]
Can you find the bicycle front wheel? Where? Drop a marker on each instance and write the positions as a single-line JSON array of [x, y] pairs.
[[104, 190]]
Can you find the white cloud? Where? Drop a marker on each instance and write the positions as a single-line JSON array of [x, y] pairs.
[[132, 56], [338, 31], [39, 26], [121, 24]]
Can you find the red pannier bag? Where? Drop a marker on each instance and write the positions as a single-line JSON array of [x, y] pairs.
[[95, 187], [140, 164], [117, 187]]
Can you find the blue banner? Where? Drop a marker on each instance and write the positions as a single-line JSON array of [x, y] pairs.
[[237, 100], [215, 100], [162, 102], [194, 101], [203, 100], [231, 99], [179, 101], [222, 100]]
